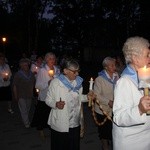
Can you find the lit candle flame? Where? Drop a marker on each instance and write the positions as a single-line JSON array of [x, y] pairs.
[[91, 83], [51, 72], [37, 90], [144, 73]]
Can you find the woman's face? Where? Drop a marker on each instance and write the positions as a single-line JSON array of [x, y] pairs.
[[51, 61], [143, 59], [111, 67], [71, 73], [25, 66]]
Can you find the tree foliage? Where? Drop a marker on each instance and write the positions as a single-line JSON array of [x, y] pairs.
[[71, 25]]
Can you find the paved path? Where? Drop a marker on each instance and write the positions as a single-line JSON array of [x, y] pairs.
[[14, 136]]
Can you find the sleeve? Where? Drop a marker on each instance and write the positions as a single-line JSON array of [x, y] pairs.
[[51, 97], [98, 88], [9, 71], [125, 107], [83, 97], [15, 79], [42, 80]]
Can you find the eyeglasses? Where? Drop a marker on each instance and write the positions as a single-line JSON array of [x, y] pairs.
[[74, 71]]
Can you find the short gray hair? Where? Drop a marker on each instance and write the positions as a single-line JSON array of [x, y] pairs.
[[107, 60], [48, 55], [70, 63], [134, 46], [24, 60]]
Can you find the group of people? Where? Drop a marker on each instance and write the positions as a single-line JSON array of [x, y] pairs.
[[60, 98], [124, 100]]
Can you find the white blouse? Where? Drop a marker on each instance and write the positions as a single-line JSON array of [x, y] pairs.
[[5, 71]]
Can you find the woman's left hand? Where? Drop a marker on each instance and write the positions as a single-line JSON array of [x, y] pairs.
[[110, 103], [91, 95]]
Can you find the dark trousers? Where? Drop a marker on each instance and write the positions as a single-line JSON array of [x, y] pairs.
[[104, 131], [66, 140]]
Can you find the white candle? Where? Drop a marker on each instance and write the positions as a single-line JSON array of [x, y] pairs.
[[91, 84], [51, 72], [144, 73], [37, 90]]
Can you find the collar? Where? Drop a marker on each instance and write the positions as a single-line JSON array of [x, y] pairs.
[[131, 73], [66, 82]]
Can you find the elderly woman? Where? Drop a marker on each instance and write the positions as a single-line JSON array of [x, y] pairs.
[[23, 84], [64, 96], [44, 77], [104, 89], [131, 128], [5, 82]]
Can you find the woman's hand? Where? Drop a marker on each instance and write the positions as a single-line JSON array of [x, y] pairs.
[[5, 78], [60, 104], [110, 103], [91, 95], [144, 105]]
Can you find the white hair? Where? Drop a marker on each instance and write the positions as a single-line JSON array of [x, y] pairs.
[[107, 60], [48, 55], [134, 46]]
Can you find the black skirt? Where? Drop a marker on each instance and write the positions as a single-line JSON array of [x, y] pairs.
[[104, 131], [40, 117], [66, 140]]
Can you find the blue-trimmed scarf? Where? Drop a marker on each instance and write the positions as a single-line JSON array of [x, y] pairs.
[[103, 75], [64, 80], [131, 73], [24, 75]]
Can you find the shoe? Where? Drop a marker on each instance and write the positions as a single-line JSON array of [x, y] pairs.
[[10, 111], [42, 135], [27, 126]]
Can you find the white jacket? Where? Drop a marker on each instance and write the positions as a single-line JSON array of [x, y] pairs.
[[43, 79], [131, 131], [59, 119]]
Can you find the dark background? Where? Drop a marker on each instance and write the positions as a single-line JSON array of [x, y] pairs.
[[86, 29]]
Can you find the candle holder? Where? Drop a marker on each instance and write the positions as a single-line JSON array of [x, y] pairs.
[[144, 81], [90, 89]]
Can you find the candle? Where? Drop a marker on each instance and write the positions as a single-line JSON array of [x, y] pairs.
[[91, 84], [144, 73], [90, 88], [6, 74], [36, 68], [51, 72], [37, 90]]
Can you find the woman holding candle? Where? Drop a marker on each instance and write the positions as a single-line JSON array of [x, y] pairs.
[[43, 80], [131, 128], [5, 82], [35, 66], [104, 88], [64, 96]]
